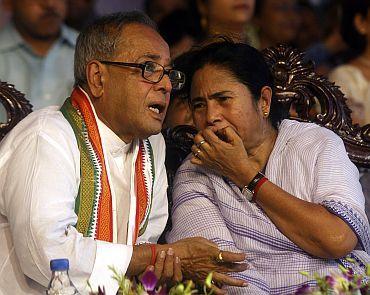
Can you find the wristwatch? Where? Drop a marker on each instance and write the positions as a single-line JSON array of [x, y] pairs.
[[248, 190], [247, 193]]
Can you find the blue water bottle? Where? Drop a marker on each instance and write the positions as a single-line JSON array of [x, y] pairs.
[[60, 283]]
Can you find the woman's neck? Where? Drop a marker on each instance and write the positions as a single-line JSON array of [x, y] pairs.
[[261, 153]]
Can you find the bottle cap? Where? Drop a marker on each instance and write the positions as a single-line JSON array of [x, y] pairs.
[[59, 264]]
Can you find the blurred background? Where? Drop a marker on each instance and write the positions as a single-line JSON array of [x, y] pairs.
[[334, 34]]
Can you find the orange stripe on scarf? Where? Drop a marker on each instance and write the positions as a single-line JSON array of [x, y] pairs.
[[141, 192]]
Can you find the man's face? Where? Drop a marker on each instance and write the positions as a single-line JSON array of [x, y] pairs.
[[38, 19], [132, 106]]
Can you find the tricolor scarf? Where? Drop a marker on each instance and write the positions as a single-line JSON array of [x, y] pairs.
[[93, 204]]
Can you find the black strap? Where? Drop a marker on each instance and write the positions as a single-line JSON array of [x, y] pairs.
[[252, 185]]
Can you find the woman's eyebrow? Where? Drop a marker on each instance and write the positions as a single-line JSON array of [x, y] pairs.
[[214, 95]]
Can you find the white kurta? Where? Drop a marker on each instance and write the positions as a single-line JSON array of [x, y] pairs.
[[39, 181], [356, 88]]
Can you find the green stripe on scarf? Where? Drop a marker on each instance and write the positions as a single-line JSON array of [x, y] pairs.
[[84, 204]]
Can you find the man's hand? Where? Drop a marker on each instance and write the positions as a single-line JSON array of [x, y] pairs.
[[200, 256], [167, 267]]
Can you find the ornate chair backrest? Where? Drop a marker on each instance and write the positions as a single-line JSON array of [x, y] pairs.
[[16, 106], [315, 99]]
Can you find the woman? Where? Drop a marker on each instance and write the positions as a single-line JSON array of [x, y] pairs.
[[226, 17], [282, 191], [277, 21], [354, 77]]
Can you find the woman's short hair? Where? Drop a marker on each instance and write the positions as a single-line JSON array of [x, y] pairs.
[[350, 8], [245, 63]]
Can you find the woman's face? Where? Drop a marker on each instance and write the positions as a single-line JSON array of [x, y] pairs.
[[227, 11], [219, 100], [279, 20]]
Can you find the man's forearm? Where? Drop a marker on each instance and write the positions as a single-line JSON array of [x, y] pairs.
[[142, 257]]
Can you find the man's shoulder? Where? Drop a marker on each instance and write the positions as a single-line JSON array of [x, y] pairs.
[[9, 38], [48, 121]]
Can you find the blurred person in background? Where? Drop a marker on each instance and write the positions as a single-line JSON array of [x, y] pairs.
[[179, 31], [222, 17], [276, 21], [321, 38], [80, 13], [4, 14], [158, 9], [36, 51], [354, 76]]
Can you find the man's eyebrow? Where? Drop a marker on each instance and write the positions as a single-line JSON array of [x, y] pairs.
[[155, 57], [215, 95], [151, 56]]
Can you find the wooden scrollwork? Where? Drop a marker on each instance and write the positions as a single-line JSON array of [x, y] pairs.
[[16, 106], [315, 99]]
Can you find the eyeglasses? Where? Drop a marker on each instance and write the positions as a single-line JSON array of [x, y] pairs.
[[153, 72]]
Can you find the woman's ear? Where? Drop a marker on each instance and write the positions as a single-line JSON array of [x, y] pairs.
[[265, 100], [95, 74]]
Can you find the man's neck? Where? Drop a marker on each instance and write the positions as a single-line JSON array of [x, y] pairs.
[[39, 46]]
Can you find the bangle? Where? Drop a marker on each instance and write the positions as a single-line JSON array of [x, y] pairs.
[[258, 186], [154, 256]]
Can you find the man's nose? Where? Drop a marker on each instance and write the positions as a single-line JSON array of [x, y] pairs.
[[164, 85]]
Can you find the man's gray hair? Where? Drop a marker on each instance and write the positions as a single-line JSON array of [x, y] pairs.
[[100, 39]]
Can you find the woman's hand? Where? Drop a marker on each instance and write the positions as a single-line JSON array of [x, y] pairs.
[[223, 152]]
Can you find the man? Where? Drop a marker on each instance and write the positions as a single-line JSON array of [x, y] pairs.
[[80, 13], [36, 51], [87, 181]]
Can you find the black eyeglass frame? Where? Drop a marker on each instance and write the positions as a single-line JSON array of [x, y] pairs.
[[142, 66]]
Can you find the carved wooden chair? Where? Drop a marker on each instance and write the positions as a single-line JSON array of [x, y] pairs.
[[16, 106], [317, 100], [313, 99]]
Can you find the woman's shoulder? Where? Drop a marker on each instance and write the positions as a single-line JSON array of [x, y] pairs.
[[306, 134]]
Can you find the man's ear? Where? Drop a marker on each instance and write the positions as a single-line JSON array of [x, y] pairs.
[[265, 100], [95, 78]]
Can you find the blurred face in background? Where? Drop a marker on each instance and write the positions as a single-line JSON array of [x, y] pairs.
[[79, 10], [38, 19], [279, 21], [226, 13], [157, 9]]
